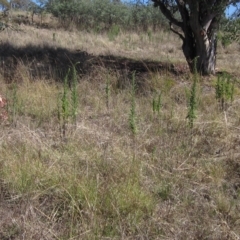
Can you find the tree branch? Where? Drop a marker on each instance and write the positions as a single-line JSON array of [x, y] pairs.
[[176, 32], [184, 13], [167, 13]]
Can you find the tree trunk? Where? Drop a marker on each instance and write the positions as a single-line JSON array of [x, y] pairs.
[[200, 51]]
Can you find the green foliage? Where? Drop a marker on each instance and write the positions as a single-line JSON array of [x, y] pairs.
[[229, 31], [226, 40], [14, 106], [107, 90], [54, 37], [164, 191], [63, 111], [132, 116], [224, 90], [113, 32], [74, 95], [68, 104], [102, 15], [157, 104], [149, 32], [192, 104]]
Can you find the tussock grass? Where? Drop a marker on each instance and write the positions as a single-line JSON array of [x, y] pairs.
[[97, 183]]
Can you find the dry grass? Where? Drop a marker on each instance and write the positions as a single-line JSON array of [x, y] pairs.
[[100, 182], [135, 45]]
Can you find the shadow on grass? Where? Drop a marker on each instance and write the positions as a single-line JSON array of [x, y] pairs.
[[49, 62]]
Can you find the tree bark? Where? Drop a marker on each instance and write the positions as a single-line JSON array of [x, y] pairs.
[[202, 48]]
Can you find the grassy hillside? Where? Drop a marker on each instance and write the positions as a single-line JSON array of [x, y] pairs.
[[105, 150]]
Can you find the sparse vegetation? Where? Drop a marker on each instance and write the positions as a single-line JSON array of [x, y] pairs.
[[108, 92], [132, 115], [68, 102], [106, 15], [157, 104], [224, 90], [175, 185], [192, 99]]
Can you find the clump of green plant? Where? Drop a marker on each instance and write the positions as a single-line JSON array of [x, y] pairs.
[[224, 39], [107, 91], [224, 90], [14, 104], [157, 104], [132, 115], [68, 102], [156, 108], [192, 99], [3, 111], [63, 109], [229, 31], [113, 32], [54, 37], [164, 191], [149, 33], [74, 95]]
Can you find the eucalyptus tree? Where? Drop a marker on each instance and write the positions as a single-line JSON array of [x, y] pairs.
[[196, 22]]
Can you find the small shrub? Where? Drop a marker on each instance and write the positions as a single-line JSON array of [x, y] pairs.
[[164, 191], [63, 109], [74, 95], [226, 41], [224, 90], [132, 116], [54, 37], [192, 103], [68, 105], [157, 104], [107, 90], [113, 32], [14, 105], [150, 37], [3, 111]]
